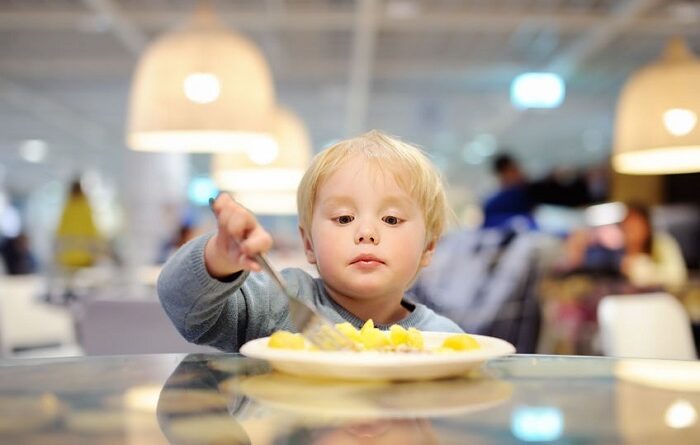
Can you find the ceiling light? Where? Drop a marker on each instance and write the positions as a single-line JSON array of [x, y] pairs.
[[264, 154], [200, 189], [537, 90], [268, 202], [269, 188], [33, 150], [202, 88], [656, 128]]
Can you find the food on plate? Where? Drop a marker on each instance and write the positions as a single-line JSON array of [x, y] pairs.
[[286, 340], [460, 342], [369, 338]]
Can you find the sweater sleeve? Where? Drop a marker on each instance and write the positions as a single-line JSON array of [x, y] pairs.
[[222, 314]]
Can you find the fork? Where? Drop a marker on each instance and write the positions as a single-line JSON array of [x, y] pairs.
[[308, 321]]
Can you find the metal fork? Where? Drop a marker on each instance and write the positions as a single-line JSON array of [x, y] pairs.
[[316, 328], [309, 322]]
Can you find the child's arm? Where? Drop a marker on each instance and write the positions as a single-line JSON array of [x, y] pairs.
[[238, 239], [227, 312], [207, 292]]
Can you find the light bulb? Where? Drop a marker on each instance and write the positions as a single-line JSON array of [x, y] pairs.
[[680, 414], [679, 121], [263, 154], [202, 88]]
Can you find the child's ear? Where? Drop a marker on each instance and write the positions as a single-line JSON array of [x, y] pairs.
[[427, 255], [308, 246]]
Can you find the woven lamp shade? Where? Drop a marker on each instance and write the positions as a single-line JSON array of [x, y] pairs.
[[267, 188], [200, 89], [657, 129]]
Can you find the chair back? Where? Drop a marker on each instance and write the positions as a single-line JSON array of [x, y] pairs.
[[486, 281], [123, 326], [653, 325]]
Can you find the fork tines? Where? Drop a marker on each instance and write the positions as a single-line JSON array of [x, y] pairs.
[[325, 336]]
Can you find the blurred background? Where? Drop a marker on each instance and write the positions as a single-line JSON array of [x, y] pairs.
[[451, 76]]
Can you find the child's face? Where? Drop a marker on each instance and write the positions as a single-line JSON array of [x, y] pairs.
[[368, 236]]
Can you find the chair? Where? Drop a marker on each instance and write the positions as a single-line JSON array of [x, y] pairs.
[[486, 281], [653, 325], [123, 326]]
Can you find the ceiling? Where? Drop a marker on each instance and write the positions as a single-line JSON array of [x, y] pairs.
[[433, 72]]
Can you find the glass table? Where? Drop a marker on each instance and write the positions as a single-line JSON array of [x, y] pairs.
[[230, 399]]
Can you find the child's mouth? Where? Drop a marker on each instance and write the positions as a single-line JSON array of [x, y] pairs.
[[366, 260]]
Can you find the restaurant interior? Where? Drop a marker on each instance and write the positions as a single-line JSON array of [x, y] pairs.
[[120, 119]]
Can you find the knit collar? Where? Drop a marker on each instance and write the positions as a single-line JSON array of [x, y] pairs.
[[416, 312]]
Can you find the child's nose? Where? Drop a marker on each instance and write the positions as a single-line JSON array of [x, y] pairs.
[[366, 235]]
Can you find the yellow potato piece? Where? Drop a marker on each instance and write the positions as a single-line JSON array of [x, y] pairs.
[[374, 338], [369, 324], [461, 342], [415, 339], [349, 331], [286, 340], [398, 335]]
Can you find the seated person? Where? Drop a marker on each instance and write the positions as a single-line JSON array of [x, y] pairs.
[[651, 258], [512, 206], [185, 232], [632, 249], [17, 255], [78, 242]]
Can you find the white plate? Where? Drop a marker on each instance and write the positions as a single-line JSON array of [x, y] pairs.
[[374, 365]]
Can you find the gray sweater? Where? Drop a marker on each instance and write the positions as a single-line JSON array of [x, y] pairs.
[[227, 313]]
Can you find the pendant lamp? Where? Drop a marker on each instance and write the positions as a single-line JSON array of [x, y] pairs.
[[265, 181], [201, 88], [657, 129]]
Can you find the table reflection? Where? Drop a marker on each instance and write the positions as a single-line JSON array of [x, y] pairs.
[[226, 398], [199, 397]]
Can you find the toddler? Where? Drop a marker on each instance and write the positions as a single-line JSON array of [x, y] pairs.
[[371, 210]]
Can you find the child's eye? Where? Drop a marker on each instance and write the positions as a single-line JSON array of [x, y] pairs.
[[391, 220], [344, 219]]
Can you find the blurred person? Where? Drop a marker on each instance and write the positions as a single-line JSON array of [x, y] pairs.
[[652, 258], [626, 257], [184, 233], [78, 242], [632, 249], [17, 255], [512, 206]]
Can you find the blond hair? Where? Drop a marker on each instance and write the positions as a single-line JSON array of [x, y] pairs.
[[410, 167]]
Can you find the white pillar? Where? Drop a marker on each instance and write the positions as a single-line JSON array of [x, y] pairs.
[[155, 197]]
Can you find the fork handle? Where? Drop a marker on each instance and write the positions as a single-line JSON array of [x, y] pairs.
[[261, 259]]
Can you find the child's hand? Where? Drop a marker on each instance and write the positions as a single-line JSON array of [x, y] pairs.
[[238, 239]]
